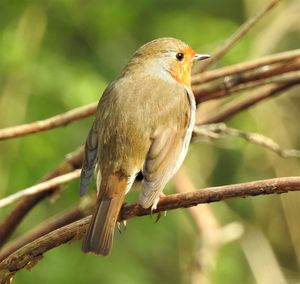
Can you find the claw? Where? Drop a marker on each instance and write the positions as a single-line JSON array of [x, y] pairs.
[[158, 217], [154, 206], [121, 226], [159, 214]]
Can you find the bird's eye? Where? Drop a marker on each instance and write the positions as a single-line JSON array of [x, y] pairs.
[[180, 56]]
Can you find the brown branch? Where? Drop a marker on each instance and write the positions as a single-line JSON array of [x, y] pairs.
[[232, 85], [62, 119], [46, 227], [229, 43], [73, 161], [265, 72], [239, 105], [214, 194], [283, 58], [30, 254]]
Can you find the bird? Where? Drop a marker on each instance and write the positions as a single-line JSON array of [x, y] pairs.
[[143, 124]]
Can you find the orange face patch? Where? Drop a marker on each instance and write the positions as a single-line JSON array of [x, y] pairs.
[[181, 70]]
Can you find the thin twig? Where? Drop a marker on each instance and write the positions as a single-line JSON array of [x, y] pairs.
[[29, 255], [62, 119], [72, 161], [40, 187], [286, 72], [239, 105], [219, 130], [283, 58], [287, 77], [229, 43], [226, 89]]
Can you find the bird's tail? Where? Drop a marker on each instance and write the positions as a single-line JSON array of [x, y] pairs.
[[110, 198]]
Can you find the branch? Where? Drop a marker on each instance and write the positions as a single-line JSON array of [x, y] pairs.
[[239, 105], [48, 226], [73, 161], [60, 120], [283, 58], [229, 43], [242, 83], [220, 130], [30, 254], [40, 187]]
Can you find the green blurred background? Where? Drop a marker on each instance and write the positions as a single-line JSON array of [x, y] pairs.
[[57, 55]]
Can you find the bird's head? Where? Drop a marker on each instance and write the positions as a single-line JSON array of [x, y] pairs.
[[168, 58]]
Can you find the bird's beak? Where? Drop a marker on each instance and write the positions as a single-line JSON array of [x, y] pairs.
[[198, 57]]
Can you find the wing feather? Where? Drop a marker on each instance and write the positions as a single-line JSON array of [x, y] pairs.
[[168, 149], [89, 160], [159, 170]]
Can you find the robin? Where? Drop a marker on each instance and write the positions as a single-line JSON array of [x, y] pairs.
[[143, 123]]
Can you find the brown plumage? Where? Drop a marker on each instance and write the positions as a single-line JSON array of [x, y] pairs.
[[143, 123]]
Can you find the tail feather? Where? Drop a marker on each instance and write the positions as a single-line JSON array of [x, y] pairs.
[[100, 234]]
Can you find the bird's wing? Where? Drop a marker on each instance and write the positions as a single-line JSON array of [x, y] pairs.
[[89, 160], [168, 149], [160, 164]]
